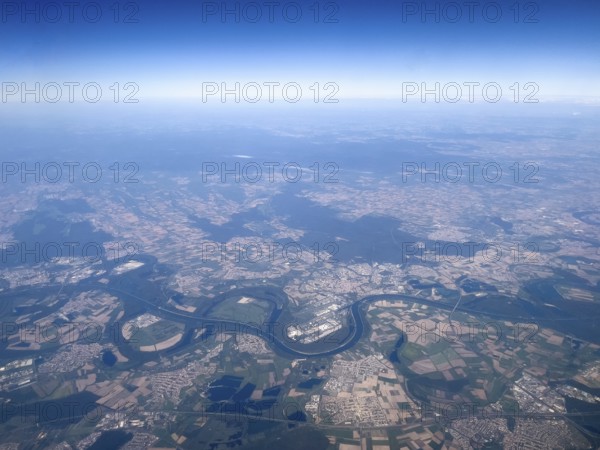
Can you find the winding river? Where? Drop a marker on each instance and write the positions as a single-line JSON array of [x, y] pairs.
[[274, 331]]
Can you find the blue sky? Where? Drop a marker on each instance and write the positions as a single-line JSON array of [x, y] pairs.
[[369, 52]]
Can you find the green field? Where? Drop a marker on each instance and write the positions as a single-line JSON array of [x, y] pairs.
[[254, 311], [157, 332]]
